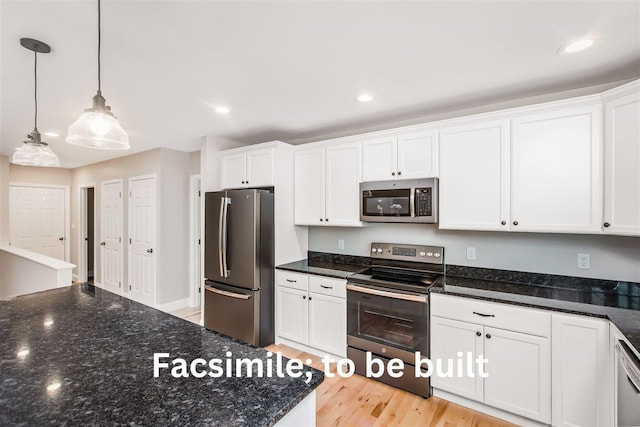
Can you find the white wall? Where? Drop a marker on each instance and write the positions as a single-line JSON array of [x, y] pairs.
[[4, 200], [612, 257], [36, 175]]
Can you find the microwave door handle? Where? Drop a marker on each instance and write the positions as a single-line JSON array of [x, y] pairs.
[[412, 202], [221, 221], [224, 237]]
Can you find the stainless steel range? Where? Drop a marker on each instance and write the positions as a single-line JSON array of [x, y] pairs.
[[388, 309]]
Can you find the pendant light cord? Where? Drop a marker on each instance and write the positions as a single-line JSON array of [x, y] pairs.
[[35, 87], [99, 46]]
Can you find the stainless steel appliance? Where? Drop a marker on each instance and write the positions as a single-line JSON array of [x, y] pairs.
[[388, 309], [411, 200], [238, 264], [628, 389]]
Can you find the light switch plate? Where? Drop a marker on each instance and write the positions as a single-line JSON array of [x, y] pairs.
[[340, 244], [471, 253]]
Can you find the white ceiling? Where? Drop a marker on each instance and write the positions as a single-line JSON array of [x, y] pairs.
[[290, 70]]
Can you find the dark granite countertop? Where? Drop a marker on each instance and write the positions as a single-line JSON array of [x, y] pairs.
[[99, 348], [617, 301], [330, 265]]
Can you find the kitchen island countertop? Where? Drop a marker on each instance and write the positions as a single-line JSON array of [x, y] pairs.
[[80, 355]]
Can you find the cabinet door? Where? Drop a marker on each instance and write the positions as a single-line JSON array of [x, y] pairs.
[[622, 166], [260, 168], [580, 346], [343, 185], [379, 159], [418, 155], [474, 177], [234, 171], [556, 172], [519, 373], [309, 191], [292, 314], [328, 323], [448, 339]]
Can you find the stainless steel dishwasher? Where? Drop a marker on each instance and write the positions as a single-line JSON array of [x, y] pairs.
[[628, 388]]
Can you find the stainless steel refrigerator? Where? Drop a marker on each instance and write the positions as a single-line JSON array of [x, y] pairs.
[[238, 264]]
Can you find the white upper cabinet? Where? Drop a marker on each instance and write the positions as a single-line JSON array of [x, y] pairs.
[[407, 156], [556, 171], [251, 168], [309, 187], [622, 164], [474, 176], [327, 185]]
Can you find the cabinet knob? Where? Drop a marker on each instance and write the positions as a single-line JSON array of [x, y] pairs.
[[61, 238], [488, 336], [243, 182], [246, 182], [515, 222], [606, 224], [504, 223], [310, 298], [399, 173], [393, 173], [479, 333], [326, 220], [321, 219], [304, 297]]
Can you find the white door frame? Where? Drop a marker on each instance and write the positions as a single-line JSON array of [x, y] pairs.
[[158, 249], [195, 216], [82, 230], [102, 183], [67, 211]]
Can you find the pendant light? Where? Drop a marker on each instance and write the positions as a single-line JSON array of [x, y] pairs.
[[34, 151], [97, 127]]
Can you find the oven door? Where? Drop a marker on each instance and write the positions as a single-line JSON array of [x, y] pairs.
[[387, 322]]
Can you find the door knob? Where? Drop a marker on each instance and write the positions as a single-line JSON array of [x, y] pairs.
[[103, 243], [149, 251], [61, 238]]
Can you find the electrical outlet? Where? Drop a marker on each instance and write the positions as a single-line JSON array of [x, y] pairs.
[[471, 253], [340, 244], [584, 261]]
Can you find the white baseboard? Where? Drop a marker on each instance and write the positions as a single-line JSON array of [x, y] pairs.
[[486, 409], [74, 277], [174, 305]]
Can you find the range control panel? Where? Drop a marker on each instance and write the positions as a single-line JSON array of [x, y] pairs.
[[415, 253]]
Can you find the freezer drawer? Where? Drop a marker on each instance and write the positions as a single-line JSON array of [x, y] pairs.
[[232, 311]]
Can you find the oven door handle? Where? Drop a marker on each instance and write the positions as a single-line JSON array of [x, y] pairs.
[[381, 293]]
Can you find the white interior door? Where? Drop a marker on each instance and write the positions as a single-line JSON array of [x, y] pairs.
[[142, 239], [37, 219], [111, 231]]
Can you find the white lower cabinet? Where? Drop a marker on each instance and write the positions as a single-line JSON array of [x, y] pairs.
[[518, 362], [581, 371], [312, 311]]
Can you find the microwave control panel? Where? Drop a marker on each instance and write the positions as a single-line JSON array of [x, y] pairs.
[[423, 202]]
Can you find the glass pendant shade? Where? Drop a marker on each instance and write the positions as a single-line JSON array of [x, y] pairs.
[[97, 129], [35, 154]]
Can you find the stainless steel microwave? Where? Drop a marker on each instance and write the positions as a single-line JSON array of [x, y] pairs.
[[410, 200]]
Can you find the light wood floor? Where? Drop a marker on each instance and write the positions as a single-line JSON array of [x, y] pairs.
[[360, 401]]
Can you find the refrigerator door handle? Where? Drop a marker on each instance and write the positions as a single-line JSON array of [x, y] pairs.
[[225, 268], [226, 293], [220, 225]]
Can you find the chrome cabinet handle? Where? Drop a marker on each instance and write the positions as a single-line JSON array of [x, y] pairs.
[[484, 315], [226, 293], [412, 203]]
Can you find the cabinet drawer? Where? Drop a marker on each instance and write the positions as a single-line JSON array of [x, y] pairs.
[[328, 286], [293, 280], [504, 316]]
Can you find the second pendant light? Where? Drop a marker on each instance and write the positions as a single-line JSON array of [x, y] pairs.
[[97, 127]]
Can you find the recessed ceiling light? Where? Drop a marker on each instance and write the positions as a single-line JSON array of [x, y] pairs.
[[52, 134], [48, 322], [578, 45], [23, 353], [365, 97], [223, 110]]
